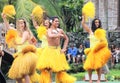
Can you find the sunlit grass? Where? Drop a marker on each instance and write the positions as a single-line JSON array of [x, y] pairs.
[[113, 75]]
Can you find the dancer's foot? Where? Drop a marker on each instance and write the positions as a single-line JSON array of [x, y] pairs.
[[98, 81], [90, 81]]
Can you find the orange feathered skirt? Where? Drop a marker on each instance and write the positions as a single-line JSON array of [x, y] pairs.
[[96, 60]]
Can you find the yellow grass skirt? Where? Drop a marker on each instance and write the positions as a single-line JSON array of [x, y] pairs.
[[97, 59], [23, 64], [63, 77], [39, 51], [52, 58]]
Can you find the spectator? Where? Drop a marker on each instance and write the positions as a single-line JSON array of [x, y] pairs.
[[72, 52], [117, 51], [87, 43], [112, 48], [68, 53], [80, 55], [2, 37]]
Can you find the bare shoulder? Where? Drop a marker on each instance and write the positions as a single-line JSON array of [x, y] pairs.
[[60, 30], [48, 30], [25, 33]]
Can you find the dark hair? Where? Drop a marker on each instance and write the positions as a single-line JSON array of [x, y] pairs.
[[94, 26], [52, 19]]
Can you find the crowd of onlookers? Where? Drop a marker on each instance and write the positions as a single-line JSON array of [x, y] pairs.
[[115, 52], [76, 55]]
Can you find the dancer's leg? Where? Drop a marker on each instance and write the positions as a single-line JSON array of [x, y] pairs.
[[27, 79], [19, 80], [99, 74], [90, 75]]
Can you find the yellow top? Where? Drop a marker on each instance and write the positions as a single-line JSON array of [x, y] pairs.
[[20, 47], [44, 41], [41, 31], [99, 34], [93, 40]]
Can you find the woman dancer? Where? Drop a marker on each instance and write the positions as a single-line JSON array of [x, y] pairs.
[[98, 53], [25, 58]]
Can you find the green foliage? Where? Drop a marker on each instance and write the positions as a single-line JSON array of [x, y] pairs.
[[71, 10], [24, 9], [117, 66], [67, 10], [74, 68], [113, 75], [79, 76], [52, 8]]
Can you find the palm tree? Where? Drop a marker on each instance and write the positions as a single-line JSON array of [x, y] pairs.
[[71, 10], [24, 9], [67, 10]]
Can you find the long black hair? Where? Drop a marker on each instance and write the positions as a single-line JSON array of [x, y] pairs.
[[94, 26]]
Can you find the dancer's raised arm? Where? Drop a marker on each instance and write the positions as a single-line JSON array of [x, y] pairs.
[[6, 22], [35, 24], [85, 26]]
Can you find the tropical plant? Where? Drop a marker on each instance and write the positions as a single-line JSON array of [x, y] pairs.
[[67, 10], [24, 9], [113, 75], [71, 10]]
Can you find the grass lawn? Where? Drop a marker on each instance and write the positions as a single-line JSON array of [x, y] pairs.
[[113, 75]]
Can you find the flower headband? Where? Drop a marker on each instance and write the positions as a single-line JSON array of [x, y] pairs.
[[51, 21]]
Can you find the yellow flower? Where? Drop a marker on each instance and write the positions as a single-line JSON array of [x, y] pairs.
[[9, 10], [11, 37], [88, 10]]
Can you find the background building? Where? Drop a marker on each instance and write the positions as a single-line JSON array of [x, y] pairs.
[[109, 13]]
